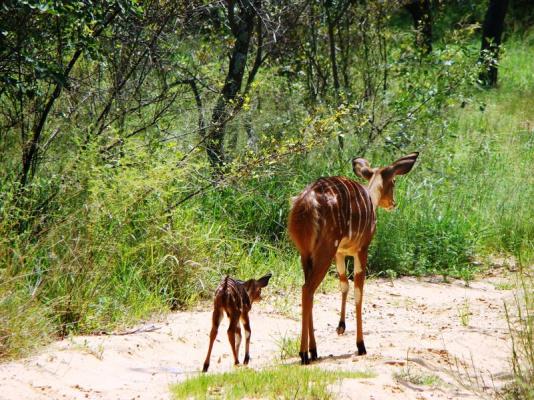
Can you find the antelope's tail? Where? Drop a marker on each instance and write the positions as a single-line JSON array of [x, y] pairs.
[[303, 222]]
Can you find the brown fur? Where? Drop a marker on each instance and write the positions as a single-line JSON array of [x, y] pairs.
[[335, 217], [235, 298]]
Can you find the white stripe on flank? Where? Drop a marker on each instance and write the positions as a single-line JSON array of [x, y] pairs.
[[372, 216], [340, 204], [365, 228], [359, 200], [372, 211], [315, 212], [352, 199], [334, 203], [349, 217]]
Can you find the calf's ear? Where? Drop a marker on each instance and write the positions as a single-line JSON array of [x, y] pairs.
[[264, 280]]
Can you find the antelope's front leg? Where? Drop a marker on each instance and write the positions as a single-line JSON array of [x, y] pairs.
[[246, 327], [344, 287], [360, 262]]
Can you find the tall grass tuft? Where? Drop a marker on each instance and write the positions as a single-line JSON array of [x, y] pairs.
[[520, 318]]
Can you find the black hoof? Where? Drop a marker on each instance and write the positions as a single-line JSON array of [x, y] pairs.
[[247, 359], [341, 328], [205, 369], [304, 360], [361, 348], [313, 354]]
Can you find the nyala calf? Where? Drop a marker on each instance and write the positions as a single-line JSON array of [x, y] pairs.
[[235, 298]]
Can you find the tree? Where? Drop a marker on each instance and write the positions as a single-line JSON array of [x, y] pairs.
[[422, 22], [253, 24], [41, 43], [491, 39], [242, 26]]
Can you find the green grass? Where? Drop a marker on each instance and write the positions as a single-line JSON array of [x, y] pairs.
[[464, 313], [288, 347], [520, 318], [281, 382], [504, 286], [418, 378]]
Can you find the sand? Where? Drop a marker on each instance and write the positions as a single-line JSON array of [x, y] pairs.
[[425, 339]]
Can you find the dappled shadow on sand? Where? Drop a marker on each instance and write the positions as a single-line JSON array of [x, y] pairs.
[[325, 359]]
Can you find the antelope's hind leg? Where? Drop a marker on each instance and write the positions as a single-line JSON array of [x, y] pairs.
[[246, 327], [215, 322], [307, 267], [313, 276], [232, 331], [237, 339]]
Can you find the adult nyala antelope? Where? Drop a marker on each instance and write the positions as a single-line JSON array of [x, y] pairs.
[[235, 298], [335, 217]]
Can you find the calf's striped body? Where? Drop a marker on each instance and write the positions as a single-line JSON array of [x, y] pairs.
[[235, 298], [333, 218]]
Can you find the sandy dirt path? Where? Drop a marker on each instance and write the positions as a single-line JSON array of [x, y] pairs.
[[423, 338]]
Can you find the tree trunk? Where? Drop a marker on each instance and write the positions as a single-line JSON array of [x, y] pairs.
[[242, 27], [422, 22], [491, 39], [333, 58]]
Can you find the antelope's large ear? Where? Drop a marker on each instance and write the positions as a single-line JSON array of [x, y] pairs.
[[361, 168], [403, 165], [264, 280]]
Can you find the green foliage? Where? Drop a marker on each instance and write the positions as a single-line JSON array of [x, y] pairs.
[[39, 37], [124, 218], [282, 382], [520, 318]]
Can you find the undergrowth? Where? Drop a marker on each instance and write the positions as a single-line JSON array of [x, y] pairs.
[[122, 245]]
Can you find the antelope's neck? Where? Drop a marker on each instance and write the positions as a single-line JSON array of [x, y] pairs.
[[375, 190]]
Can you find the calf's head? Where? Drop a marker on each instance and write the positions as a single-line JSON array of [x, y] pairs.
[[254, 286]]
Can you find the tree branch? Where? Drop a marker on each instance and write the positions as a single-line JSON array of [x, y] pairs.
[[30, 151]]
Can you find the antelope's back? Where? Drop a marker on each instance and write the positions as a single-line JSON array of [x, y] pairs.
[[231, 295], [335, 206]]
